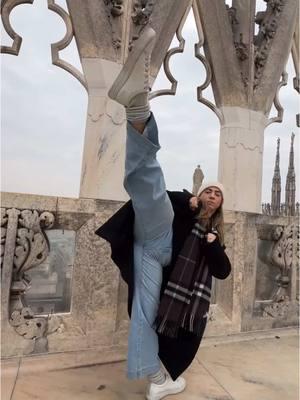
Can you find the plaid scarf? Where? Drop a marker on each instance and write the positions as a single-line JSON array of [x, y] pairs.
[[186, 298]]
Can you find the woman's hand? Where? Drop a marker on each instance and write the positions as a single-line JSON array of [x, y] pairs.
[[194, 203], [210, 237]]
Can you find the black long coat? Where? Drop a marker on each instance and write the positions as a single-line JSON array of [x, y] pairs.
[[175, 353]]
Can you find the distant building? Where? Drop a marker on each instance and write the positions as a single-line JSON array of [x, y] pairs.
[[276, 183], [290, 186], [289, 207]]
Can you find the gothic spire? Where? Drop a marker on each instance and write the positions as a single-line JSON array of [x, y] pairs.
[[290, 186], [276, 184]]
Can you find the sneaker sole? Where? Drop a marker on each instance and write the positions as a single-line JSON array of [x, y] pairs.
[[129, 64], [166, 393]]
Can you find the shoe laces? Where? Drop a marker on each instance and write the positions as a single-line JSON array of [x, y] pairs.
[[147, 71]]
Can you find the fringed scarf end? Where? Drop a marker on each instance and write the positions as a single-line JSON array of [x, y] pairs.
[[172, 328], [167, 328]]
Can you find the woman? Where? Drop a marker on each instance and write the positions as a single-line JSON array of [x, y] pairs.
[[168, 245]]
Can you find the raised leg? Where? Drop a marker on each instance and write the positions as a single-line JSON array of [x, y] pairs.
[[144, 182]]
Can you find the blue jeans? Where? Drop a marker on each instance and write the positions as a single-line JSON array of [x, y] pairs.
[[144, 182]]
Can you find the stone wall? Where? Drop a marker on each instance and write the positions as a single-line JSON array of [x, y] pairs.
[[261, 293]]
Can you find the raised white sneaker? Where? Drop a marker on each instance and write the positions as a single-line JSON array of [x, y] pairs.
[[133, 79], [157, 392]]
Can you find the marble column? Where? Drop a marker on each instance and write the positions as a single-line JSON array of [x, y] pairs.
[[241, 158], [104, 144], [245, 73], [105, 31]]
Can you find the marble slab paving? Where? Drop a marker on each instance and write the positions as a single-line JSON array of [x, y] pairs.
[[265, 369], [9, 373], [108, 382]]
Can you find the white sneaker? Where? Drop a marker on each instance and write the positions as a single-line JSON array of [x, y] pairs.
[[133, 79], [157, 392]]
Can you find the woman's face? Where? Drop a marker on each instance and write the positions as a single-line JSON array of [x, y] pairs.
[[211, 199]]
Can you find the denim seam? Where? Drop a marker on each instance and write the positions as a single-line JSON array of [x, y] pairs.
[[140, 328]]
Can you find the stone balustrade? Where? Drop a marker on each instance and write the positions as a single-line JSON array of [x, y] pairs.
[[63, 296]]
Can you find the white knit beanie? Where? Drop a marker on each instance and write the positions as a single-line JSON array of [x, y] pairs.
[[210, 184]]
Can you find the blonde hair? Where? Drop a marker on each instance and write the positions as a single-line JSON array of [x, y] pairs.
[[216, 221]]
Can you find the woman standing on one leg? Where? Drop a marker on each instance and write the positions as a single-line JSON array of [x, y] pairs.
[[168, 235]]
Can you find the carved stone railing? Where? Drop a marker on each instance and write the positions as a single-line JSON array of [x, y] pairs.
[[278, 259], [31, 244], [262, 291], [24, 245]]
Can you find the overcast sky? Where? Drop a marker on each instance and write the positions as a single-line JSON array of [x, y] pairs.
[[44, 112]]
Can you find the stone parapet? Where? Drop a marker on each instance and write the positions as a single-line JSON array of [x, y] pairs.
[[80, 304]]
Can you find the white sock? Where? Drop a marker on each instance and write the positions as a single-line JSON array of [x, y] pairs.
[[158, 378], [138, 113], [139, 108]]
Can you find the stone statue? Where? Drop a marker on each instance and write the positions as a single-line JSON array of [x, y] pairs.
[[197, 179]]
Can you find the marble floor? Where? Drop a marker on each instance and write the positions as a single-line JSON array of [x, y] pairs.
[[255, 369]]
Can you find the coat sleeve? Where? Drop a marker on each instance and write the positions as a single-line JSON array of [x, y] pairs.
[[217, 260], [180, 201]]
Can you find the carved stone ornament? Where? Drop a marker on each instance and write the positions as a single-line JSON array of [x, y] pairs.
[[240, 46], [268, 23], [277, 309], [279, 117], [296, 59], [35, 328], [114, 10], [275, 5], [115, 7], [4, 220], [32, 246], [268, 29], [142, 10], [24, 245], [232, 16], [141, 13], [241, 49], [285, 255]]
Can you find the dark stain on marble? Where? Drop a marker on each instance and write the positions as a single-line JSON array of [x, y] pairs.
[[222, 364], [101, 387], [255, 381]]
